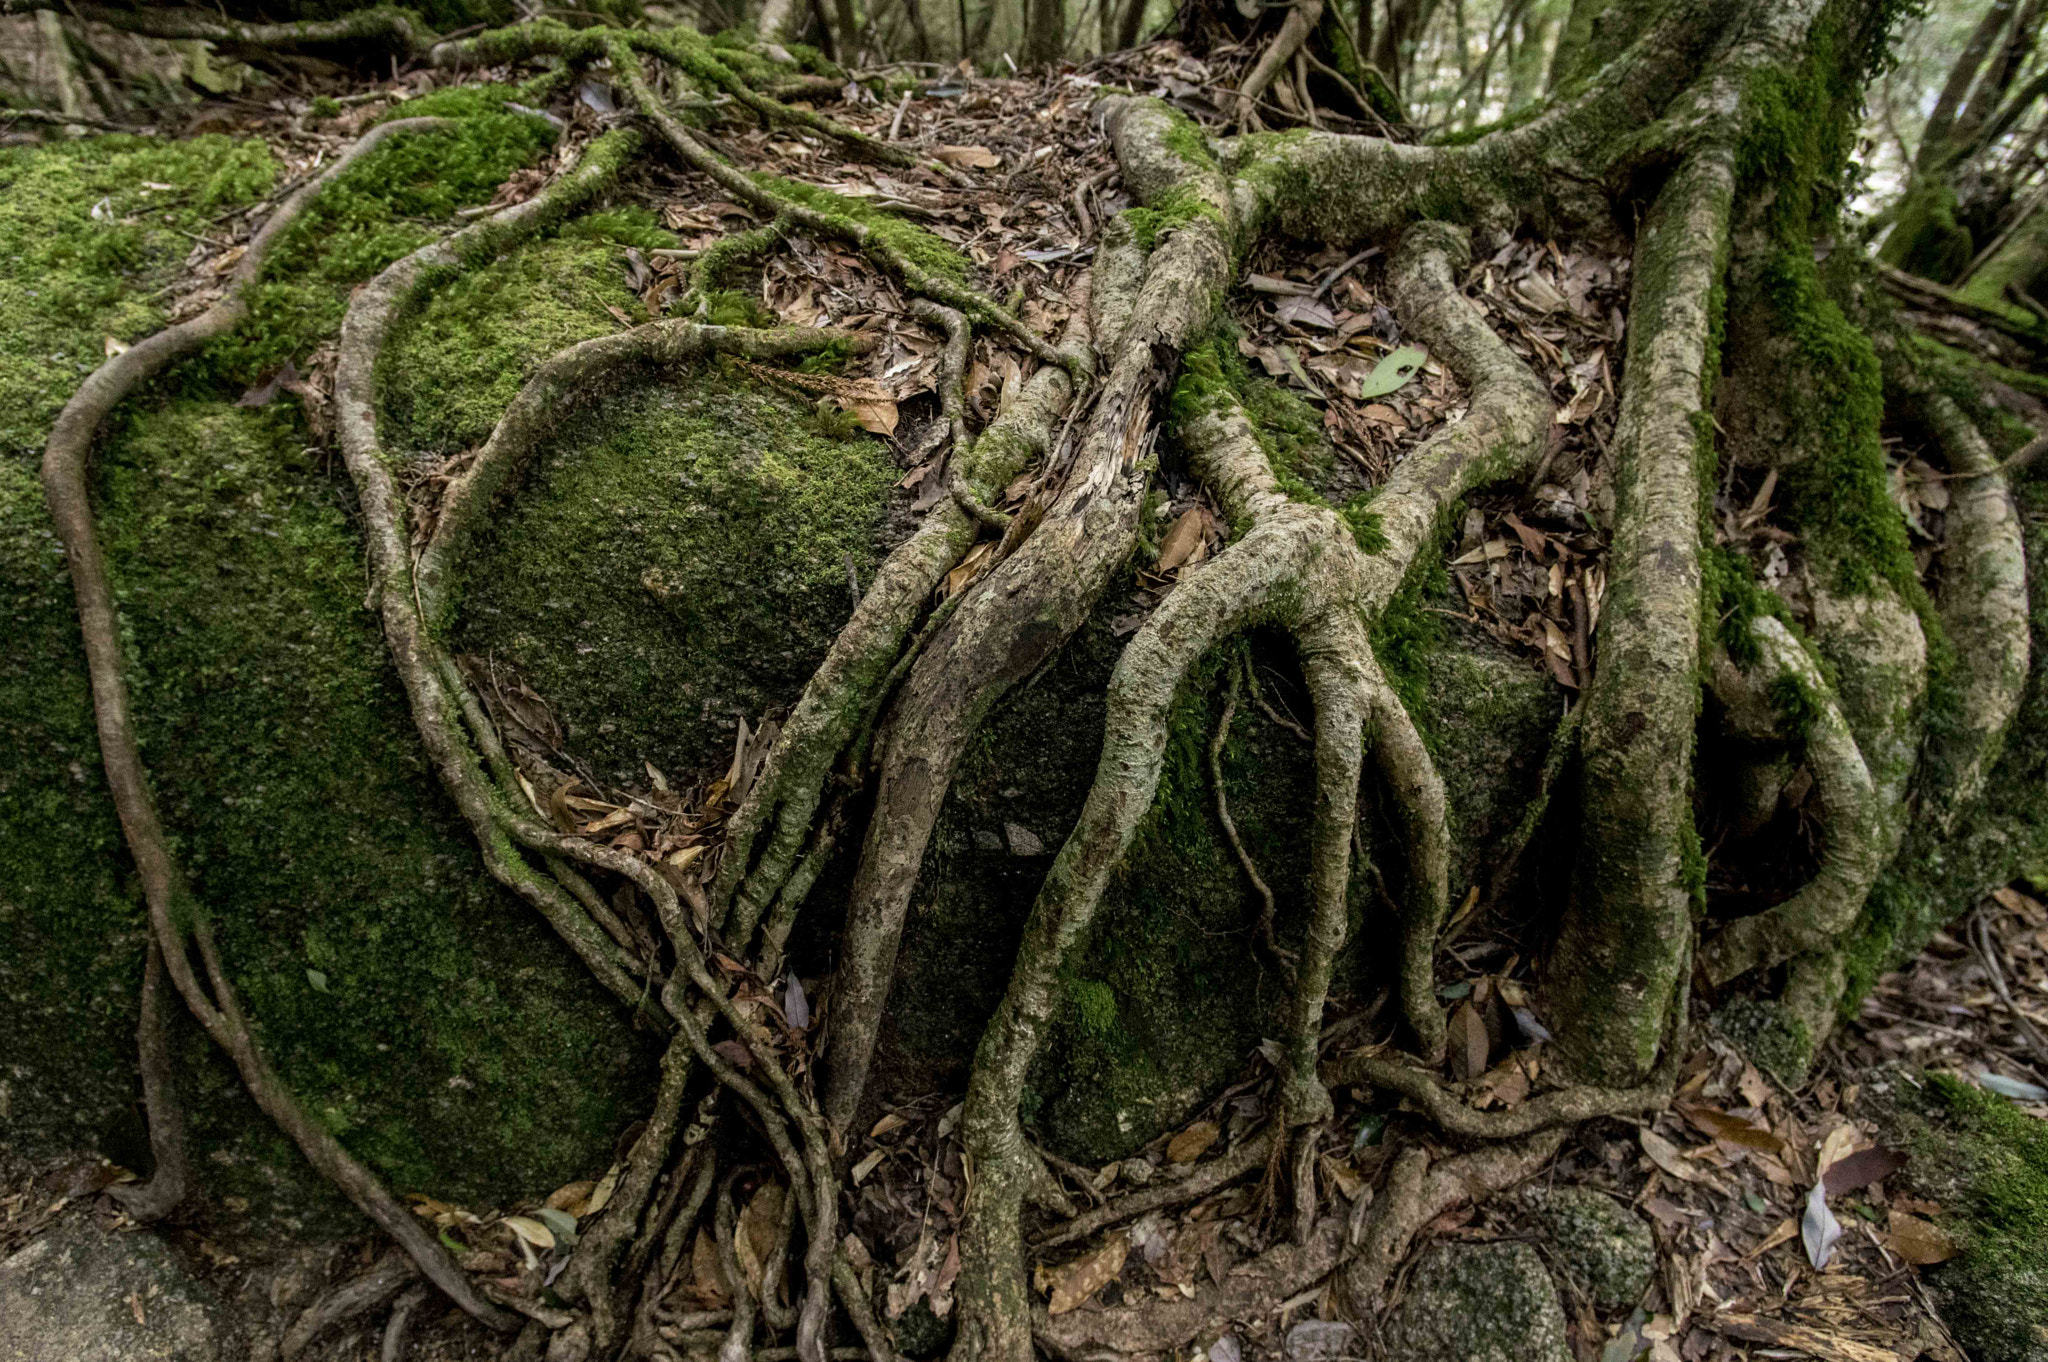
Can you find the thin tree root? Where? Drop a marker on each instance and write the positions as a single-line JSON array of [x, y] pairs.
[[1828, 904], [392, 1273], [171, 1174], [1567, 1106], [398, 1326], [1206, 1178], [1417, 1193], [1983, 601]]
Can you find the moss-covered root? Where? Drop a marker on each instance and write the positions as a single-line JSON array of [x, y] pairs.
[[563, 387], [1983, 604], [398, 28], [1615, 969], [877, 245], [1019, 613], [1785, 676], [1418, 1193], [844, 692], [171, 907]]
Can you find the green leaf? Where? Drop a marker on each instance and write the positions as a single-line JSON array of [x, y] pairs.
[[317, 980], [561, 1222], [1391, 372]]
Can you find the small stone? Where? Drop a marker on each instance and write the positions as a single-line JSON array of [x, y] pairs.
[[1603, 1247], [985, 840], [1478, 1303], [1023, 841]]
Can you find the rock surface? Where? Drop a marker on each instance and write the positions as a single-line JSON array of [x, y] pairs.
[[82, 1294], [1478, 1303], [1606, 1250]]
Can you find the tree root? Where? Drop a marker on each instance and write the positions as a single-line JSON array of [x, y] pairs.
[[398, 1326], [1205, 1178], [1828, 904], [392, 1274], [1017, 614], [397, 28], [1614, 970], [171, 1176], [1983, 602], [1300, 567], [1567, 1106]]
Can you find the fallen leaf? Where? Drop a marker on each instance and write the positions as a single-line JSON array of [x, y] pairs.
[[755, 1237], [796, 1008], [573, 1197], [1468, 1040], [1862, 1168], [1719, 1125], [1670, 1158], [530, 1231], [1073, 1284], [114, 347], [868, 1165], [1920, 1242], [968, 158], [1304, 311], [1393, 371], [1321, 1340], [1182, 538], [1830, 1345], [2011, 1087], [1818, 1228], [1193, 1142]]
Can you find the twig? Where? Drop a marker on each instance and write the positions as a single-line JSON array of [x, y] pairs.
[[1988, 952]]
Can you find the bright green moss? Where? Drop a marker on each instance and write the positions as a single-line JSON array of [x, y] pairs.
[[454, 367], [1765, 1030], [456, 1046], [631, 225], [912, 242], [691, 542], [1094, 1005]]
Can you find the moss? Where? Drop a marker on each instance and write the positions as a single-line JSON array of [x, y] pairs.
[[631, 225], [456, 1046], [1775, 1040], [920, 247], [453, 367], [693, 543], [1934, 878], [1925, 238], [324, 107], [1987, 1161]]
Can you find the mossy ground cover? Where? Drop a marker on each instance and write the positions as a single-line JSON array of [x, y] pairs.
[[678, 565], [426, 1016]]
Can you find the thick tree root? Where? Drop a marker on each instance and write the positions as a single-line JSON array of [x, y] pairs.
[[1565, 1107], [1983, 603], [392, 1274], [1851, 862], [1614, 970], [1300, 567], [849, 687], [1014, 618]]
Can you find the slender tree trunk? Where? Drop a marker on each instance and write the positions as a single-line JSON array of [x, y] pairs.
[[1961, 76]]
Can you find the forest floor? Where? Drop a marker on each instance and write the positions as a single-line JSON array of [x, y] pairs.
[[1724, 1178]]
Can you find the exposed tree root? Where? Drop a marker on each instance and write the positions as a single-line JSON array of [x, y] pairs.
[[1566, 1106], [171, 1176], [1851, 862], [1983, 603], [173, 909], [1267, 910], [360, 1295], [395, 27], [1207, 1177], [1614, 969]]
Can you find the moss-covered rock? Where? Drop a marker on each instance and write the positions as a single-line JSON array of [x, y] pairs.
[[1602, 1247], [679, 564], [1986, 1161], [429, 1019], [1478, 1303]]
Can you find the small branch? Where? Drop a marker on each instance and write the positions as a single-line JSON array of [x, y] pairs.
[[1987, 950]]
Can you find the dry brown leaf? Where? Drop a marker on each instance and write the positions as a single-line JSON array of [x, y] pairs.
[[1829, 1345], [570, 1196], [532, 1231], [1719, 1125], [1073, 1284], [1670, 1158], [1469, 1044], [1921, 1242], [755, 1238], [1183, 537], [968, 158], [1193, 1142], [1788, 1229]]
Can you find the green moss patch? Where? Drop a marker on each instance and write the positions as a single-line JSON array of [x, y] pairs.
[[1987, 1161], [678, 565], [429, 1019]]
